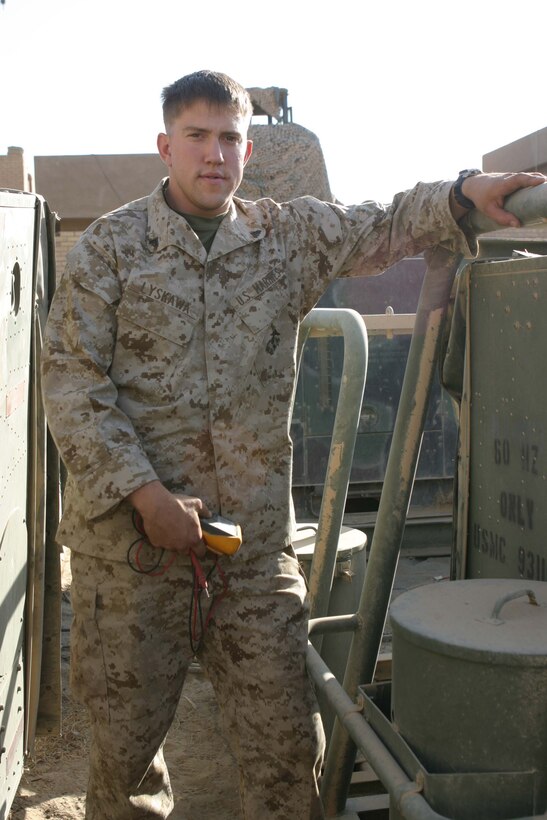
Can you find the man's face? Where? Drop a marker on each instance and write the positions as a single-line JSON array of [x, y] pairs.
[[205, 149]]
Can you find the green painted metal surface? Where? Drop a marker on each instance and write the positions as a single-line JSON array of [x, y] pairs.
[[16, 276], [507, 395], [30, 686]]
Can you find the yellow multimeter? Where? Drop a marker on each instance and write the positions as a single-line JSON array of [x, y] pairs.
[[221, 535]]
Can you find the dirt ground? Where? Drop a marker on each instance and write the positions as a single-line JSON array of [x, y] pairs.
[[203, 772]]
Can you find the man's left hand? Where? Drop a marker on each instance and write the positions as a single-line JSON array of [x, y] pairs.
[[488, 193]]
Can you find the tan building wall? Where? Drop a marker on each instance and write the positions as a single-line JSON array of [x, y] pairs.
[[526, 154], [64, 241], [13, 171]]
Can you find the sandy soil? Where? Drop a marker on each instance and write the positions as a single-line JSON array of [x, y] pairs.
[[203, 772]]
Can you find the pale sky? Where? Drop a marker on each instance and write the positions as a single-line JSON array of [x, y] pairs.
[[396, 91]]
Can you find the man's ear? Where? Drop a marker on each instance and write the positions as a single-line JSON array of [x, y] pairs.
[[164, 148], [248, 152]]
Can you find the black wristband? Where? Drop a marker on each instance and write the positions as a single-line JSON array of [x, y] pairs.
[[459, 196]]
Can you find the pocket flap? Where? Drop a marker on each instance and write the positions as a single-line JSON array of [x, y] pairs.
[[167, 316], [259, 303]]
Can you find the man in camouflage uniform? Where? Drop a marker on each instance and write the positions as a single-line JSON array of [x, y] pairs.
[[168, 374]]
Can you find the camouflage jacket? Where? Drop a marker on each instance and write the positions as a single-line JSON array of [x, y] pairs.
[[161, 361]]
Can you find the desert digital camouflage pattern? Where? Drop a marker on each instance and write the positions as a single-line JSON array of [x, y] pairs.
[[269, 101], [287, 162], [163, 362], [254, 653]]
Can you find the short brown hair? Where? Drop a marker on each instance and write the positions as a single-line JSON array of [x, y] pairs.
[[211, 86]]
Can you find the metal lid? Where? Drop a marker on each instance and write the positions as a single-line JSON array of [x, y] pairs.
[[495, 620], [305, 535]]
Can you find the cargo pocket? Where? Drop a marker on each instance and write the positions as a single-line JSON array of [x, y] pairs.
[[87, 668]]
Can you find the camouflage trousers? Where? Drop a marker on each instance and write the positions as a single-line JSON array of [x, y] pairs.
[[130, 653]]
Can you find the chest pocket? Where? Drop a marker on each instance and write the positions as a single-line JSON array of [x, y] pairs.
[[153, 344], [268, 325], [258, 305], [162, 317]]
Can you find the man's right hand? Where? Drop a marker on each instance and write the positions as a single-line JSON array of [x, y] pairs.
[[170, 521]]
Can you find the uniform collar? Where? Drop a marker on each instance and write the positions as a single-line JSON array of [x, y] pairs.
[[166, 227]]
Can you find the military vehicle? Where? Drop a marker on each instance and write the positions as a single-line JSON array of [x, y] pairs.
[[30, 601]]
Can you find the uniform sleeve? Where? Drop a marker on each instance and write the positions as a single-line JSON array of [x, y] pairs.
[[366, 239], [416, 220], [94, 437]]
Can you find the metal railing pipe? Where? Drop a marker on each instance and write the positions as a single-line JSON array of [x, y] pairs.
[[334, 623], [403, 791], [529, 205], [348, 323]]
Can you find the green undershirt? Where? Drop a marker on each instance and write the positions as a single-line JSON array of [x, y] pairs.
[[205, 227]]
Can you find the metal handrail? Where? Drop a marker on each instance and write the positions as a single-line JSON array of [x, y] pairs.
[[529, 205], [349, 324]]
